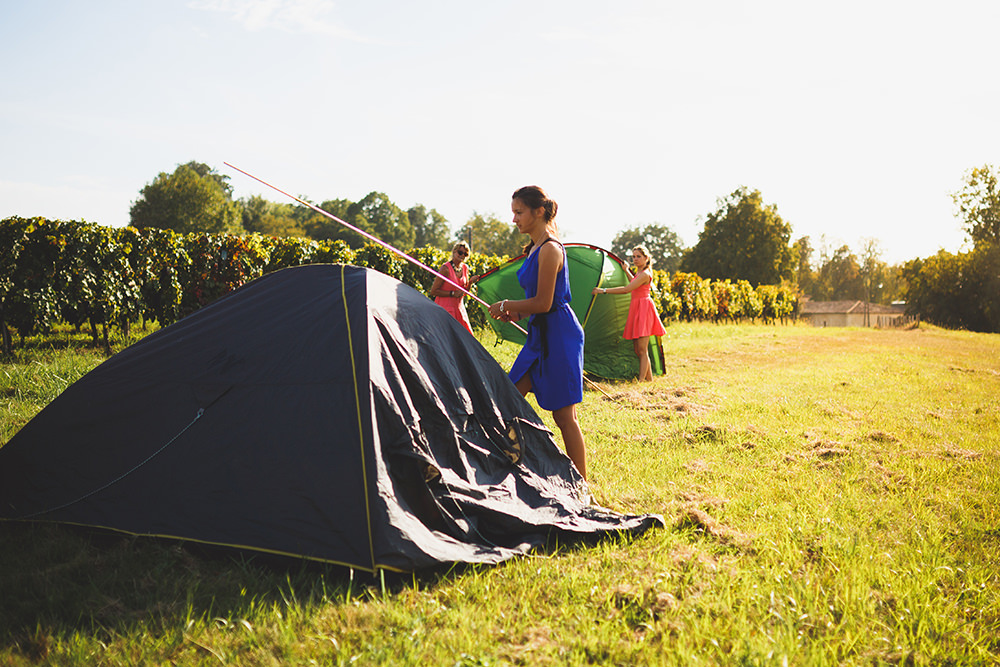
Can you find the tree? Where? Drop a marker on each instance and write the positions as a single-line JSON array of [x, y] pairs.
[[979, 205], [743, 239], [488, 235], [956, 290], [874, 270], [13, 235], [892, 285], [322, 228], [380, 218], [802, 251], [663, 244], [839, 277], [430, 228], [271, 219], [192, 199]]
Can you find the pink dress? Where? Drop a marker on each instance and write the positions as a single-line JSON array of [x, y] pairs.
[[455, 304], [642, 318]]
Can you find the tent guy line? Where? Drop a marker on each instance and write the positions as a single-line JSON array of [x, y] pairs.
[[149, 458]]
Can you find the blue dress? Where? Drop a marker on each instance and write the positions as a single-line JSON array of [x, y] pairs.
[[552, 356]]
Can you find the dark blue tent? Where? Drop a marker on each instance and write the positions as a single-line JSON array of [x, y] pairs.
[[326, 412]]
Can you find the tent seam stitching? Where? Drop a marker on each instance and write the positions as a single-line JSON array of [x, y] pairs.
[[357, 407]]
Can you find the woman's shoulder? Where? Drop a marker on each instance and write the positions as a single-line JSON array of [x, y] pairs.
[[550, 248], [552, 245], [644, 277]]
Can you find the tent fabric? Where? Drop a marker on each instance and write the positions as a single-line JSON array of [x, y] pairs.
[[326, 412], [606, 353]]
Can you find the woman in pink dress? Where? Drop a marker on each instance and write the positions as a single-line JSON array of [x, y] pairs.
[[643, 320], [448, 296]]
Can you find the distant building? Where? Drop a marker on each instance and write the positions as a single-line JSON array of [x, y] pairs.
[[852, 313]]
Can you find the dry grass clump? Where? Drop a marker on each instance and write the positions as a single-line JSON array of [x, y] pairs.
[[881, 437], [665, 402], [698, 499], [693, 517], [945, 451], [822, 450], [886, 479], [698, 466], [949, 451]]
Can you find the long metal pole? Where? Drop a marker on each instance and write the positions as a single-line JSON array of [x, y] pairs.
[[412, 260]]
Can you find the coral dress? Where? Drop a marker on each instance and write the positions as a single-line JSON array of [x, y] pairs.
[[552, 355], [456, 304], [642, 318]]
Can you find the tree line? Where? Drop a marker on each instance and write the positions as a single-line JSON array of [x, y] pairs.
[[962, 290], [744, 240], [196, 198], [88, 275]]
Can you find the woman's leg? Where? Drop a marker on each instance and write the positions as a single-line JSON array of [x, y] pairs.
[[568, 425], [641, 347], [572, 436]]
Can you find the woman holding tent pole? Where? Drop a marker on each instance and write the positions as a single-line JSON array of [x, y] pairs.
[[448, 296], [551, 362], [643, 321]]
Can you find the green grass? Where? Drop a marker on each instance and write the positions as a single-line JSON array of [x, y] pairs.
[[831, 498]]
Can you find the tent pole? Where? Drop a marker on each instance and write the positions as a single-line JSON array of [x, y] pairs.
[[412, 260]]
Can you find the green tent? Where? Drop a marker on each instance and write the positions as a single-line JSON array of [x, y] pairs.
[[605, 354]]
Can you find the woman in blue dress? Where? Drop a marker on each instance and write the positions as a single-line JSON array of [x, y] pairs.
[[551, 362]]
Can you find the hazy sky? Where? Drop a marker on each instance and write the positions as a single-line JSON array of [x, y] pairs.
[[857, 119]]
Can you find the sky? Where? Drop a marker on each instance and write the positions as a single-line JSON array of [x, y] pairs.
[[857, 119]]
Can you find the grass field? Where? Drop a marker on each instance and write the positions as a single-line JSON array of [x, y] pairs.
[[832, 497]]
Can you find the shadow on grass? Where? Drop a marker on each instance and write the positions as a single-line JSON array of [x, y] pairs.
[[58, 580]]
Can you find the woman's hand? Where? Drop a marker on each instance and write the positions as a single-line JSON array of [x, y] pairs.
[[498, 311]]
